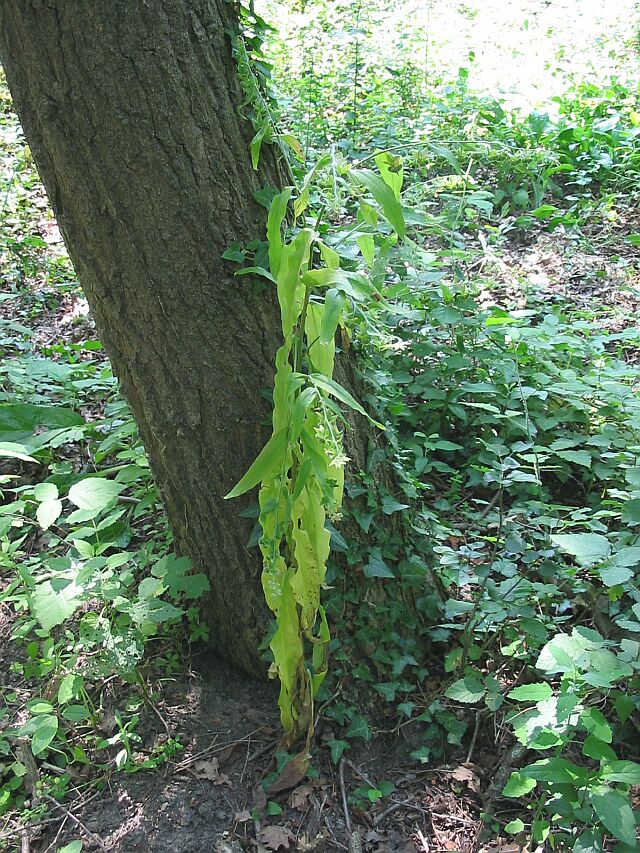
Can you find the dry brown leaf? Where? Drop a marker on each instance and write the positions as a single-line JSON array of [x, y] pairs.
[[206, 769], [466, 774], [299, 798], [294, 772], [276, 837], [243, 816]]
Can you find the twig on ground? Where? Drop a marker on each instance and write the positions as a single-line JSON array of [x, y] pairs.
[[343, 794], [77, 822], [424, 844], [474, 738]]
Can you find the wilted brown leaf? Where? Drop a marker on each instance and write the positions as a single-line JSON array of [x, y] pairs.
[[276, 837]]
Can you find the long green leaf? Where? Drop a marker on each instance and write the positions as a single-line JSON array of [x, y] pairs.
[[277, 213], [330, 387], [265, 464], [385, 197], [333, 305]]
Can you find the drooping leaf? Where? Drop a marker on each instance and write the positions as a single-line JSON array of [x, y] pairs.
[[333, 304], [48, 512], [266, 463]]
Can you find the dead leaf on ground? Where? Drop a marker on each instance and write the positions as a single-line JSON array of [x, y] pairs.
[[299, 798], [206, 769], [243, 816], [465, 774], [275, 837], [294, 772]]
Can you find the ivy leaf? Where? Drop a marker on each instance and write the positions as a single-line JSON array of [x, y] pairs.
[[359, 728], [376, 567], [614, 811], [390, 505], [469, 689]]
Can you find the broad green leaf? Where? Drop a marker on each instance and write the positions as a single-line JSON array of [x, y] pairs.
[[48, 512], [71, 847], [585, 547], [518, 785], [75, 713], [94, 493], [554, 770], [616, 815], [595, 748], [531, 692], [579, 457], [514, 826], [615, 575], [267, 462], [367, 246], [594, 722], [68, 688], [385, 197], [469, 690], [44, 731], [45, 492], [627, 772], [52, 607], [632, 476], [631, 511]]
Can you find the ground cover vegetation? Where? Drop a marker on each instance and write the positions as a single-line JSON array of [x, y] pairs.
[[481, 261]]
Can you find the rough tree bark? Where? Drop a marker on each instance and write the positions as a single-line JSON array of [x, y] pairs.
[[131, 111]]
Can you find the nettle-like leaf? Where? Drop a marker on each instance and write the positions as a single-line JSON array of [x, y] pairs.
[[587, 548], [94, 493]]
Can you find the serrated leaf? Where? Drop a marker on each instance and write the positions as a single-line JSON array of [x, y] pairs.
[[579, 457], [45, 492], [616, 815], [531, 692], [594, 722], [469, 689], [48, 512], [94, 493], [627, 772], [585, 547], [52, 607]]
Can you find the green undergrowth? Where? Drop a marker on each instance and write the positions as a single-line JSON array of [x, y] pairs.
[[492, 586]]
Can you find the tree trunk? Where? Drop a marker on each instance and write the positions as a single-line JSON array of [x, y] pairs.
[[131, 111]]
